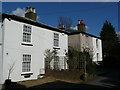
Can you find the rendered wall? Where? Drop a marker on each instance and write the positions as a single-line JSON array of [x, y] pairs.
[[97, 50], [0, 53], [78, 42], [42, 39]]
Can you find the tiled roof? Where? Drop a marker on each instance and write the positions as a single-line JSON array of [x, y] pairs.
[[73, 32], [32, 22]]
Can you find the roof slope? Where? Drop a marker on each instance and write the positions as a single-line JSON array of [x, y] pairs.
[[73, 32], [32, 22]]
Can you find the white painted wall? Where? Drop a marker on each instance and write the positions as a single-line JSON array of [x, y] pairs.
[[100, 50], [97, 50], [42, 39], [0, 32], [0, 64]]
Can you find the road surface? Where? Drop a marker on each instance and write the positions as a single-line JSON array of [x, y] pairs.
[[109, 79], [106, 79]]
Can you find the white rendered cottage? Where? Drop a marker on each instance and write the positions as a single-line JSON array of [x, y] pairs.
[[23, 43], [80, 40]]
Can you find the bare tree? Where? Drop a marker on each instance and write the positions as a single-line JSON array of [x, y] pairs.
[[10, 69], [8, 80], [66, 21]]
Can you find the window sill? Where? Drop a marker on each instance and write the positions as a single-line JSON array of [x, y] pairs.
[[27, 44], [56, 47], [26, 73]]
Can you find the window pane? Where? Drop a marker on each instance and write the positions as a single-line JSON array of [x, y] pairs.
[[56, 39], [97, 43], [26, 63], [56, 62], [26, 33]]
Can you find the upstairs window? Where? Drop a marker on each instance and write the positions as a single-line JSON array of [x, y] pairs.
[[27, 33], [97, 43], [56, 39], [86, 41]]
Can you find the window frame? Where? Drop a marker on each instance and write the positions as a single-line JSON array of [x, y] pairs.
[[86, 41], [97, 45], [56, 62], [27, 34], [26, 68], [56, 39], [97, 54]]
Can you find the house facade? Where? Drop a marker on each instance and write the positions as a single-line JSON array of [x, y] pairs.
[[80, 41], [23, 43]]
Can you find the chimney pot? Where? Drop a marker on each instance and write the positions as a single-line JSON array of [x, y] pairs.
[[78, 21], [81, 26], [82, 21], [61, 26]]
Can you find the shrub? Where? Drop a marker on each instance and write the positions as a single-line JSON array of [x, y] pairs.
[[91, 68]]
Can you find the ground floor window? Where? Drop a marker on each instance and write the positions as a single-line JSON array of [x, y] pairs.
[[47, 63], [56, 62], [26, 64], [97, 56]]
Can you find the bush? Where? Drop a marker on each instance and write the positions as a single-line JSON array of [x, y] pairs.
[[72, 74], [91, 68], [84, 76]]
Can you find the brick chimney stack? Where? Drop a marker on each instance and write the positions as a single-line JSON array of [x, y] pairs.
[[30, 13], [81, 26]]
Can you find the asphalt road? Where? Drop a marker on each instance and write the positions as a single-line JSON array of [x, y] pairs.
[[110, 79]]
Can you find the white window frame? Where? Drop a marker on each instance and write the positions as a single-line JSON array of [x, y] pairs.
[[27, 34], [97, 45], [26, 63], [87, 41], [97, 54], [56, 40], [56, 62]]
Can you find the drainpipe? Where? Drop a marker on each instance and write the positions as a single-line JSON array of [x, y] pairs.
[[2, 27]]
